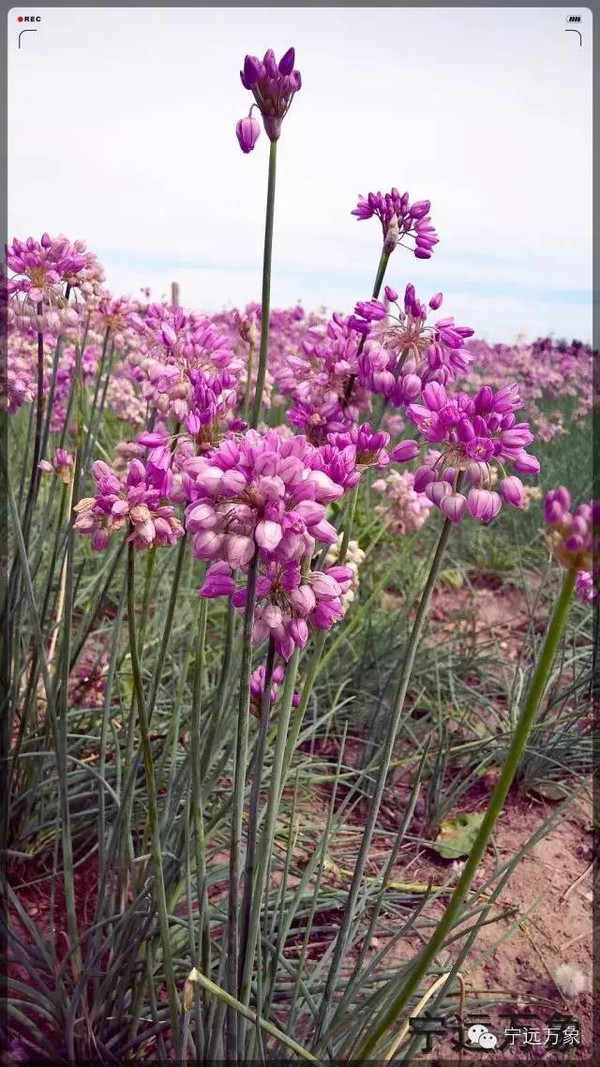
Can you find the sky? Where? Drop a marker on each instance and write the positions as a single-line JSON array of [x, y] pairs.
[[122, 133]]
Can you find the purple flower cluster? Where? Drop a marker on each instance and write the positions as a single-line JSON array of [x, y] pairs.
[[316, 381], [87, 684], [288, 601], [400, 219], [574, 537], [263, 498], [405, 511], [258, 493], [257, 688], [62, 464], [136, 501], [44, 269], [475, 433], [185, 365], [273, 86], [402, 352]]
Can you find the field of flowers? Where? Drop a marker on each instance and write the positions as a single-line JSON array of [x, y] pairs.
[[297, 626]]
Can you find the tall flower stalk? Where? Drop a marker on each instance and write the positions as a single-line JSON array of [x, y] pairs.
[[273, 86], [266, 288], [370, 1042], [239, 789]]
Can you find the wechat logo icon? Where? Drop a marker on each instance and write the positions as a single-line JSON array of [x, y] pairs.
[[482, 1037]]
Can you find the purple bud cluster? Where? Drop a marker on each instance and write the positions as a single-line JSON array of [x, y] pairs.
[[87, 684], [257, 688], [316, 381], [135, 502], [185, 366], [273, 86], [402, 352], [62, 464], [574, 536], [263, 499], [44, 269], [399, 218], [475, 434]]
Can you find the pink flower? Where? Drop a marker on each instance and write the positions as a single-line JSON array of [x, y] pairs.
[[399, 219], [258, 493], [257, 686], [475, 434], [44, 270], [573, 536], [405, 353], [273, 86], [135, 502], [484, 504]]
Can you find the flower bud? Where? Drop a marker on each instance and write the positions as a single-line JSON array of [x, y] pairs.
[[512, 490], [286, 63], [453, 506], [404, 452], [248, 132]]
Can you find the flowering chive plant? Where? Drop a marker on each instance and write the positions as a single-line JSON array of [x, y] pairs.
[[238, 474]]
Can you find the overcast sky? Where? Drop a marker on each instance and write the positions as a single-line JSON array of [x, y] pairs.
[[121, 132]]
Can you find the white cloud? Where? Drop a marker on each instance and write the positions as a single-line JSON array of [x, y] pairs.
[[121, 132]]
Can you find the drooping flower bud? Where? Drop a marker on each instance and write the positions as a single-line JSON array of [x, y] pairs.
[[248, 132]]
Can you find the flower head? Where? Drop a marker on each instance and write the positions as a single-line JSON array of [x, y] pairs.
[[258, 493], [273, 86], [257, 688], [573, 536], [135, 501], [403, 351], [475, 435], [289, 601], [62, 464], [44, 270], [405, 510], [400, 219]]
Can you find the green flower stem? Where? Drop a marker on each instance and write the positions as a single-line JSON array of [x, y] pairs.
[[266, 288], [164, 644], [98, 407], [384, 764], [246, 1013], [248, 388], [517, 747], [239, 789], [283, 713], [203, 950], [381, 269], [51, 393], [248, 944], [350, 512], [150, 561], [299, 712], [218, 710], [62, 687], [37, 441], [155, 845]]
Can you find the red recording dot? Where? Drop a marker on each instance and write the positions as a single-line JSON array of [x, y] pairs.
[[20, 18]]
